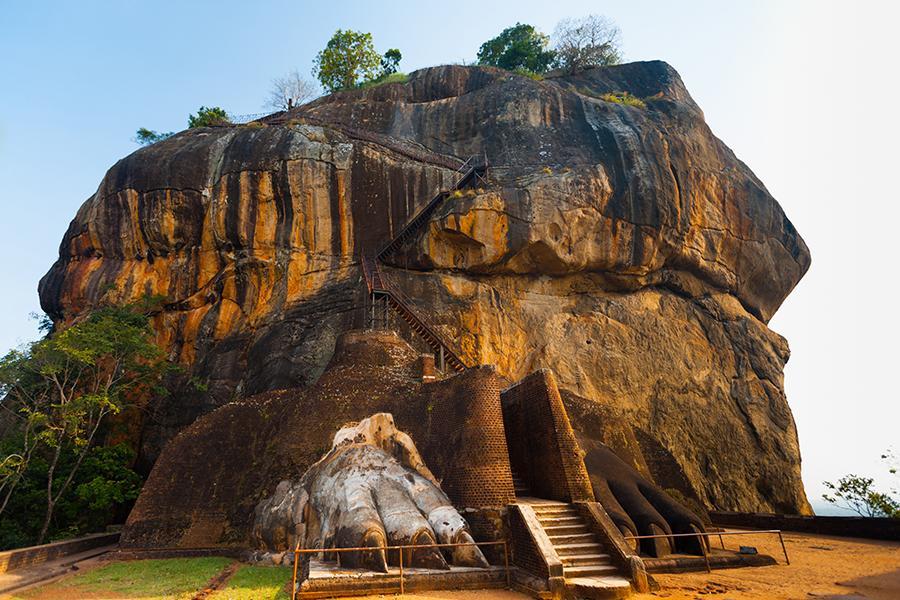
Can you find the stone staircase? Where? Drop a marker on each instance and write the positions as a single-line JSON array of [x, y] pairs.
[[587, 568], [520, 486]]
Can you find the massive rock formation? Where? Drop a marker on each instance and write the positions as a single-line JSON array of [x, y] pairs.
[[626, 248]]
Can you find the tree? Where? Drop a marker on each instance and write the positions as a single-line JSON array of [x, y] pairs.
[[62, 388], [290, 91], [390, 62], [590, 41], [145, 136], [521, 47], [855, 493], [207, 117], [348, 59]]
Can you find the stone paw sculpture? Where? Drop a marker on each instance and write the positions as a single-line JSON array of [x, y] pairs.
[[639, 507], [371, 490]]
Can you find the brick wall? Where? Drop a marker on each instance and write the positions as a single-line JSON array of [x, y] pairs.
[[462, 438], [524, 552], [542, 445]]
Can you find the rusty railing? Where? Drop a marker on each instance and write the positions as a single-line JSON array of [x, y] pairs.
[[298, 551], [705, 534]]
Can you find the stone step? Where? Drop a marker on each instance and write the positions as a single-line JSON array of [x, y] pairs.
[[606, 587], [552, 520], [576, 549], [574, 560], [572, 538], [554, 511], [566, 529], [588, 571]]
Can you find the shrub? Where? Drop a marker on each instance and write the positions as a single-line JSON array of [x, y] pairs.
[[623, 98]]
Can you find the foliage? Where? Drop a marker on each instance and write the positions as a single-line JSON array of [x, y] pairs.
[[855, 493], [585, 42], [60, 390], [518, 47], [253, 582], [392, 78], [624, 98], [208, 116], [390, 62], [348, 59], [104, 489], [531, 75], [145, 136], [155, 579], [291, 91]]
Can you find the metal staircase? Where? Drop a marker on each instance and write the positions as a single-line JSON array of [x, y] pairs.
[[385, 297]]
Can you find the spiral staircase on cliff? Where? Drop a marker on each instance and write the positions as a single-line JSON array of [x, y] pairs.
[[385, 298]]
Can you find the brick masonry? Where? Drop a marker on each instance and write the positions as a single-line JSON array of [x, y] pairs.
[[542, 445]]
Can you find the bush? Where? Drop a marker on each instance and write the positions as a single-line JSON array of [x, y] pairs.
[[623, 98], [207, 117], [518, 47], [145, 136], [385, 79]]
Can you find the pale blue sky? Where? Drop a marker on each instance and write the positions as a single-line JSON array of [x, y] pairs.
[[802, 91]]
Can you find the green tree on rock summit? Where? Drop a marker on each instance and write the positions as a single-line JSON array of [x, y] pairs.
[[521, 47], [349, 58]]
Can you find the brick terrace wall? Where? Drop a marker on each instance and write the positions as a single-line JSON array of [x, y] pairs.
[[524, 552], [464, 441], [863, 527], [541, 440]]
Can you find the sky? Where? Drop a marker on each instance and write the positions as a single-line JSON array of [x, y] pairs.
[[802, 91]]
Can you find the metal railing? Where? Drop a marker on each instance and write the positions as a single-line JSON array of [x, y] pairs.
[[298, 551], [720, 534]]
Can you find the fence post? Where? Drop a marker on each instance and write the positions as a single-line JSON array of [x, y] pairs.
[[506, 562], [401, 571], [783, 548]]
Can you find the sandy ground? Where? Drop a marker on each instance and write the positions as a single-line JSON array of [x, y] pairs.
[[821, 567]]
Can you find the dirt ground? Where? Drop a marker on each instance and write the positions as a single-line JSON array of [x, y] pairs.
[[821, 567]]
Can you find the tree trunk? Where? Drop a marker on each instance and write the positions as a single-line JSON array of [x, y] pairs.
[[50, 501]]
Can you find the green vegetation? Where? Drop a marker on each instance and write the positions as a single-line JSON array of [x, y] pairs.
[[256, 583], [390, 62], [518, 48], [208, 116], [392, 78], [578, 44], [623, 98], [59, 393], [857, 494], [350, 60], [176, 578], [145, 136]]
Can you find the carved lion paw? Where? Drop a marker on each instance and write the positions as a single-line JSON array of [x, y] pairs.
[[371, 490]]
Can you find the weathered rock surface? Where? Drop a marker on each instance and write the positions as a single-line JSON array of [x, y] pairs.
[[627, 249]]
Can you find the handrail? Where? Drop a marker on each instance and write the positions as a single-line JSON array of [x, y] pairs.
[[698, 534], [298, 551], [377, 283], [464, 171]]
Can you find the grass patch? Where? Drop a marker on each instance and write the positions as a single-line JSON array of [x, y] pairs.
[[392, 78], [623, 98], [256, 583], [166, 578], [530, 74]]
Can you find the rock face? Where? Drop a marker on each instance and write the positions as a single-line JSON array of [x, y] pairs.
[[625, 248]]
